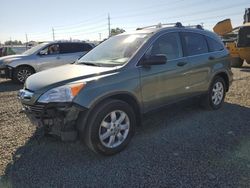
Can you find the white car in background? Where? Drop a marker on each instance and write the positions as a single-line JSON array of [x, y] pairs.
[[43, 56]]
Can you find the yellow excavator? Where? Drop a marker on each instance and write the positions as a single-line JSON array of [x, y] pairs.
[[237, 40]]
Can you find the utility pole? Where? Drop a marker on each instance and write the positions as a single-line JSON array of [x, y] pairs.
[[100, 36], [26, 36], [53, 34], [109, 25]]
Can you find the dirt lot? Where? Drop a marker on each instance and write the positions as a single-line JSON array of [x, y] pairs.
[[180, 146]]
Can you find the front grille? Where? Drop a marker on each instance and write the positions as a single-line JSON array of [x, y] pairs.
[[36, 109]]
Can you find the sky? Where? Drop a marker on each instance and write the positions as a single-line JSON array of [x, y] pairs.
[[88, 20]]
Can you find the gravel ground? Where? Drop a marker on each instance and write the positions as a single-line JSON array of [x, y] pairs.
[[180, 146]]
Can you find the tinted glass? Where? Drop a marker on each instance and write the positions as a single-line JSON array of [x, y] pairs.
[[168, 44], [87, 47], [195, 44], [65, 48], [214, 45], [71, 47]]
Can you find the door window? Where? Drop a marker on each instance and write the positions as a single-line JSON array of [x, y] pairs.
[[50, 50], [73, 47], [194, 43], [168, 45], [213, 45]]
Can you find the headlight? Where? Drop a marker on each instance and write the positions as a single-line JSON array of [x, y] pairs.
[[64, 93]]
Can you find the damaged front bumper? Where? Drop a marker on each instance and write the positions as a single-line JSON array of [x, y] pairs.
[[57, 118], [5, 72]]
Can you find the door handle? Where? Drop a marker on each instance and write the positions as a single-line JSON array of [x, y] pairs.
[[181, 64], [211, 58]]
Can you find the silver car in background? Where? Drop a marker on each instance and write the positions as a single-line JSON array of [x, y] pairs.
[[41, 57]]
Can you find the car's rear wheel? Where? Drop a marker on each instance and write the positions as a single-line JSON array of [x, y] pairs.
[[22, 73], [237, 62], [214, 99], [110, 127]]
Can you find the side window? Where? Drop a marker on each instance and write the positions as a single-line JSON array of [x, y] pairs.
[[65, 48], [168, 44], [213, 45], [77, 47], [50, 50], [72, 47], [194, 43], [87, 47]]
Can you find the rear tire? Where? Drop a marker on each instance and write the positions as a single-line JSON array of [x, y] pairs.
[[110, 127], [214, 99], [22, 73], [237, 62]]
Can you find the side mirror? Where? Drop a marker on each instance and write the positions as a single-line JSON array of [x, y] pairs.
[[43, 52], [158, 59]]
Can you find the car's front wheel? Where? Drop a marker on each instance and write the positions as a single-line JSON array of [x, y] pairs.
[[110, 127], [214, 99], [22, 73]]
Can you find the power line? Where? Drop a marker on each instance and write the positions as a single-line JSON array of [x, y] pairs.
[[81, 23]]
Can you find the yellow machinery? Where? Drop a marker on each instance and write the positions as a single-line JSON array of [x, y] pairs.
[[237, 40]]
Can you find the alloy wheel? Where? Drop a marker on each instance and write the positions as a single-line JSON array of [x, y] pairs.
[[217, 93], [114, 129], [23, 74]]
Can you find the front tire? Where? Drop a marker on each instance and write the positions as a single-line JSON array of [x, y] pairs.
[[110, 127], [214, 99], [22, 73]]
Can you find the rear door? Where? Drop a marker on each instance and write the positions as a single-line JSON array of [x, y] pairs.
[[161, 84], [69, 52], [197, 52]]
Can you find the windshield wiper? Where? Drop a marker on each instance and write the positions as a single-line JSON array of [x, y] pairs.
[[89, 63]]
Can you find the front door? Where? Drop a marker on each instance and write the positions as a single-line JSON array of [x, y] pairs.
[[161, 84], [49, 57]]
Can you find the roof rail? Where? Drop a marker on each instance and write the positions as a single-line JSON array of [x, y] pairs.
[[160, 25], [195, 26], [177, 24]]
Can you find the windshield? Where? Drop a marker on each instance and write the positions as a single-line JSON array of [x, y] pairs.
[[35, 48], [115, 51]]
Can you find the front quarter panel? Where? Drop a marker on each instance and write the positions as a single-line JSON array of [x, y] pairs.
[[28, 60], [121, 82]]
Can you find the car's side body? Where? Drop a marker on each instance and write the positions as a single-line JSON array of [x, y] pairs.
[[143, 83], [68, 53]]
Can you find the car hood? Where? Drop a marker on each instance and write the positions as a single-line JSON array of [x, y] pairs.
[[64, 74], [7, 59]]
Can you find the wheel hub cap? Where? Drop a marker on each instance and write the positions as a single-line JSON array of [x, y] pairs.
[[114, 129], [217, 93]]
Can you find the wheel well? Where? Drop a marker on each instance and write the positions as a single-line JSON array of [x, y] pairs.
[[26, 66], [131, 101], [226, 79]]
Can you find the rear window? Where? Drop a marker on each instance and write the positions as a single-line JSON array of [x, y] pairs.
[[213, 45], [194, 43]]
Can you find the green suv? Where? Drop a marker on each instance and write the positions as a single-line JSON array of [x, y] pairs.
[[102, 96]]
